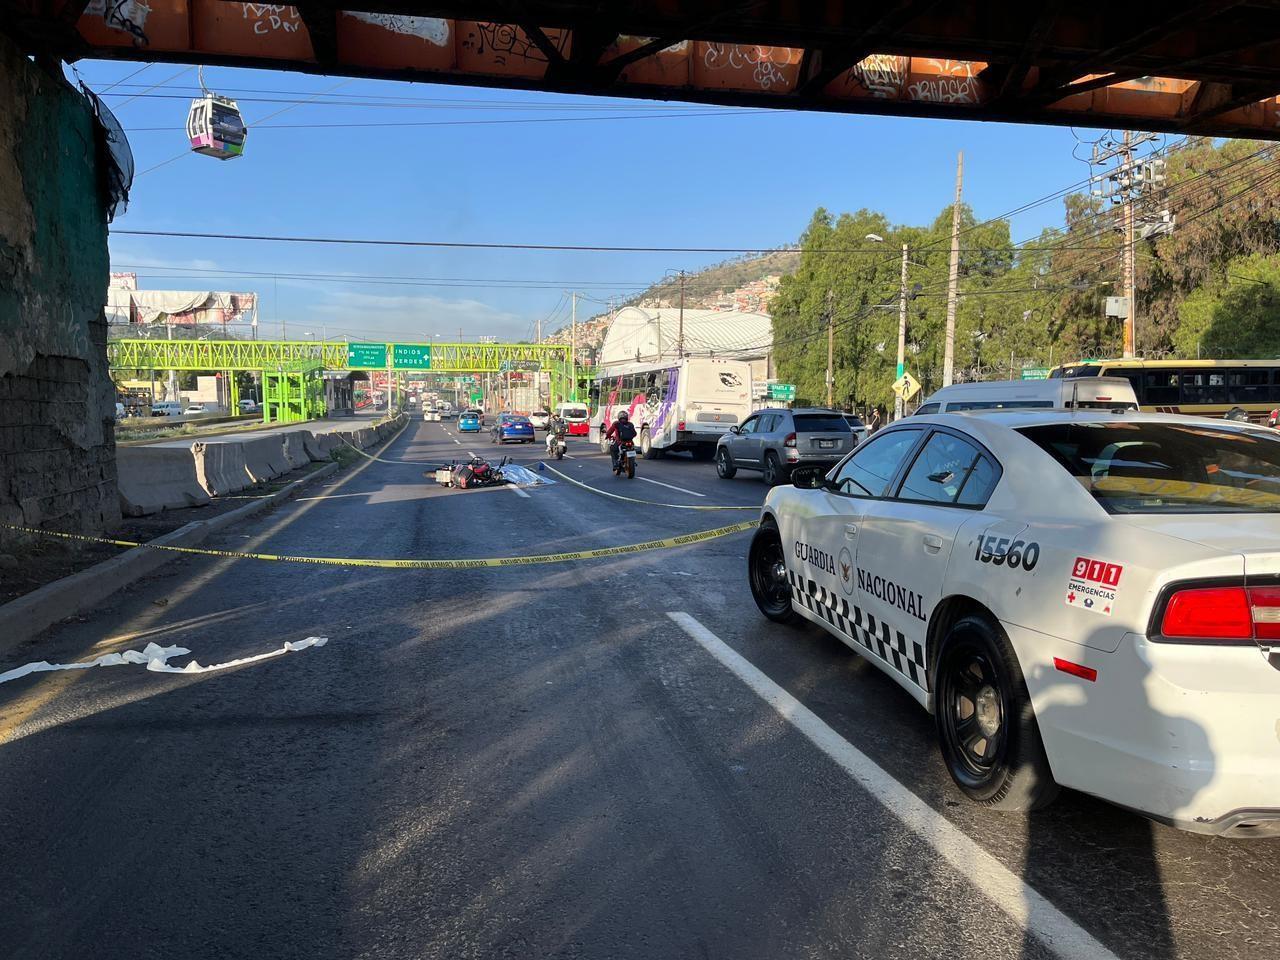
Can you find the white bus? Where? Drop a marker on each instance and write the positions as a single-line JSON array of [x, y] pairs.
[[675, 404]]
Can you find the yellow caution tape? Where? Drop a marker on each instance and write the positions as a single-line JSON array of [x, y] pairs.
[[409, 564], [647, 503]]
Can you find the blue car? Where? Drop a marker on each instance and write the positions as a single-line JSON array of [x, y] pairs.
[[469, 423], [511, 427]]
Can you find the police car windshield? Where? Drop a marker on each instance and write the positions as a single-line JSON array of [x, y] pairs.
[[1167, 468]]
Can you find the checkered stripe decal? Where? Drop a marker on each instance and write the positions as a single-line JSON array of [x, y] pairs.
[[878, 638]]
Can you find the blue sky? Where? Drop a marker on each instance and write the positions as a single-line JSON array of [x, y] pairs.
[[734, 178]]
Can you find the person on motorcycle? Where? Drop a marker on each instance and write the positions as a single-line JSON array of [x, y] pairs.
[[556, 430], [620, 431]]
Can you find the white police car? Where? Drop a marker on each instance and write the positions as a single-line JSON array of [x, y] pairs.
[[1087, 599]]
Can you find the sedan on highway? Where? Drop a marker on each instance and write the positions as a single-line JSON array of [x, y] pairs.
[[469, 422], [512, 427], [1088, 599]]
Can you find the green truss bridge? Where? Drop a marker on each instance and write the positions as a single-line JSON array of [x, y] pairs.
[[447, 358]]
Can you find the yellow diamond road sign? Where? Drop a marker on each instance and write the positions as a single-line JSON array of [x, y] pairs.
[[906, 386]]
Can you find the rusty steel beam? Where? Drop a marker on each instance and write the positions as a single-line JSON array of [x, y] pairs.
[[824, 64], [1011, 82]]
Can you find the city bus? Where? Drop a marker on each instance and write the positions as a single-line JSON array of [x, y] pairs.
[[685, 404], [1207, 388]]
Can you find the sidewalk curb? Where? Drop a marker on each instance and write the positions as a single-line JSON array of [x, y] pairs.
[[24, 618]]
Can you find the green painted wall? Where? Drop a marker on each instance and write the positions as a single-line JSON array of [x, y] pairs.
[[57, 446]]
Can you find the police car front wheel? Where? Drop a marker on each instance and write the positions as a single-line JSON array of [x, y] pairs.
[[767, 572], [986, 725]]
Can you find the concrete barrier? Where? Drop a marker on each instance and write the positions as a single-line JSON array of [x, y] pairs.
[[264, 458], [320, 446], [293, 445], [365, 437], [152, 479], [220, 468]]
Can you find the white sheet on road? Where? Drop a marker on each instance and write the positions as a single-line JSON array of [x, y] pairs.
[[523, 476], [157, 660]]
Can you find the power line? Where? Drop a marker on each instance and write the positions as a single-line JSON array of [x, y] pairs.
[[264, 273], [122, 83], [469, 123]]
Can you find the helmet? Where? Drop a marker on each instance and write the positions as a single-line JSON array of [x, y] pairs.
[[623, 415]]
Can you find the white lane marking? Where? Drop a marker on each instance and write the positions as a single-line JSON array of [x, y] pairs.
[[517, 491], [1019, 900], [457, 441], [672, 486]]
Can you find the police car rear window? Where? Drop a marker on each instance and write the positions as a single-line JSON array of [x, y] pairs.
[[1167, 468]]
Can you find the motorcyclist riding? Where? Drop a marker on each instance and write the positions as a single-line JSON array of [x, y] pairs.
[[621, 430], [556, 430]]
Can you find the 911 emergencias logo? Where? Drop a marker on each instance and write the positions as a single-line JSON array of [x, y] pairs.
[[1093, 585]]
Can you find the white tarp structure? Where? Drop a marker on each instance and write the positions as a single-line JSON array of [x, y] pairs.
[[639, 334], [179, 306]]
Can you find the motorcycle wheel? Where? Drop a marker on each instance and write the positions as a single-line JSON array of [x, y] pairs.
[[631, 468], [559, 454]]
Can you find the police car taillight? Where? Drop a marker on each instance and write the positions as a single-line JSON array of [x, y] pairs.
[[1223, 613]]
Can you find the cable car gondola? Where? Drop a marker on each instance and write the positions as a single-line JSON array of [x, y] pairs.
[[214, 125]]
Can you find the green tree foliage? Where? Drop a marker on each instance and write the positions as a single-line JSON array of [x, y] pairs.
[[1212, 287]]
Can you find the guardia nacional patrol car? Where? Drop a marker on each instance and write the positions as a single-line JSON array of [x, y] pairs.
[[1088, 599]]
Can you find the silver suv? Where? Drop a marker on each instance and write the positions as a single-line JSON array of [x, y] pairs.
[[775, 441]]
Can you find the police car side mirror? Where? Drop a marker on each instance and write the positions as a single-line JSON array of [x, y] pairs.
[[808, 478]]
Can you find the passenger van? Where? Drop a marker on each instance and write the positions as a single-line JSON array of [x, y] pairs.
[[166, 408], [1084, 393]]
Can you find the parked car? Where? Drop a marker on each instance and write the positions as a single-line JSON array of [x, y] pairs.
[[510, 426], [774, 441], [196, 409], [540, 419], [469, 422]]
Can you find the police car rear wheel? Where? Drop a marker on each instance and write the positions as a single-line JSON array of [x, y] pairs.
[[767, 571], [986, 725]]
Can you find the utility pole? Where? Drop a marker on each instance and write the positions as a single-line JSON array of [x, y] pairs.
[[1130, 271], [953, 279], [573, 344], [831, 351], [898, 403], [680, 333]]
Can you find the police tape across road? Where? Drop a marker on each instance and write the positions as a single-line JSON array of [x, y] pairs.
[[647, 503], [408, 563]]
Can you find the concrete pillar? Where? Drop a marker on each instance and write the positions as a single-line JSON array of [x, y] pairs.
[[57, 401]]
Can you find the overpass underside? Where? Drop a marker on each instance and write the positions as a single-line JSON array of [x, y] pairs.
[[1204, 67]]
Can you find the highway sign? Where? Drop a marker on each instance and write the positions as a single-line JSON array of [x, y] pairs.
[[782, 391], [477, 399], [1035, 373], [367, 356], [411, 356], [906, 386]]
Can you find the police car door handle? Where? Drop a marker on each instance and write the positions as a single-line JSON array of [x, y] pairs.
[[850, 531], [932, 543]]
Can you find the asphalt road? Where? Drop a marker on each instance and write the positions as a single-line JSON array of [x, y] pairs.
[[538, 761]]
